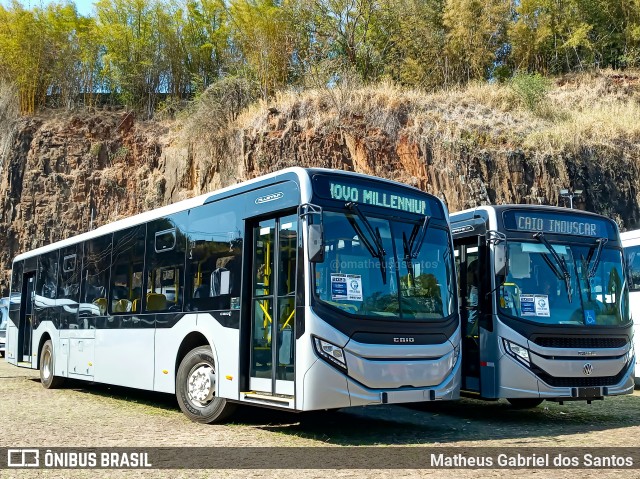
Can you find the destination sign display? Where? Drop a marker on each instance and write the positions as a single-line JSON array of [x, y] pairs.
[[342, 188], [558, 223]]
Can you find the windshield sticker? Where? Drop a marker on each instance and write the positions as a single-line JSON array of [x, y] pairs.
[[527, 305], [346, 286], [534, 305], [542, 305], [589, 317]]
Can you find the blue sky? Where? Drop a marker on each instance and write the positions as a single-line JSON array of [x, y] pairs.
[[84, 7]]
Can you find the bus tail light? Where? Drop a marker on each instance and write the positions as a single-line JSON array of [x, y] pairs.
[[517, 351], [330, 353]]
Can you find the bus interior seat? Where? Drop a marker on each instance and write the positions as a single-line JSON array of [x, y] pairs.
[[122, 306], [156, 302], [101, 303]]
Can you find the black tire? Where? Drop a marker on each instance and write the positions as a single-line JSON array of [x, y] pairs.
[[198, 367], [525, 403], [47, 378]]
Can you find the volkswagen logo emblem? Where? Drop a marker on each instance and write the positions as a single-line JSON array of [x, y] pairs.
[[587, 369]]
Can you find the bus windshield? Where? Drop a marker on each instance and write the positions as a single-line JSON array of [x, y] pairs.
[[379, 268], [578, 285]]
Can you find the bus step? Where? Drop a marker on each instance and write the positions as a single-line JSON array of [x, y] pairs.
[[262, 398], [24, 364]]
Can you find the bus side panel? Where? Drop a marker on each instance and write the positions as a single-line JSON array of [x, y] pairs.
[[167, 344], [124, 357], [634, 304], [12, 344], [224, 345]]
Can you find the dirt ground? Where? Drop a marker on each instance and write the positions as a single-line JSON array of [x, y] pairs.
[[83, 414]]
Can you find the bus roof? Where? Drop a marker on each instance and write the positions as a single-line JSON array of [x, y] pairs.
[[500, 208], [630, 238], [302, 175]]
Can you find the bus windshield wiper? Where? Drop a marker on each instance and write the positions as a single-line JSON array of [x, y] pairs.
[[376, 249], [411, 247], [560, 261], [407, 257], [421, 232], [600, 242]]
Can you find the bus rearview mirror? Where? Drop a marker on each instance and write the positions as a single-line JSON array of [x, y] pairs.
[[500, 259], [315, 243]]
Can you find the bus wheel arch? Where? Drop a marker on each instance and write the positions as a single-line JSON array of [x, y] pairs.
[[196, 387], [190, 342], [46, 362]]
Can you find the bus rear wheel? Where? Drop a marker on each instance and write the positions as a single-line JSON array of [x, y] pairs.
[[525, 403], [47, 378], [196, 388]]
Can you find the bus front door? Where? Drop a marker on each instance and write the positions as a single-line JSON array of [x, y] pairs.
[[470, 274], [25, 326], [272, 352]]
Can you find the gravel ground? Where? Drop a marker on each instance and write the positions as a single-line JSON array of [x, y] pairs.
[[96, 415]]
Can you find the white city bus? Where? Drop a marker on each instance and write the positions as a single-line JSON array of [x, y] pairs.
[[544, 305], [301, 290], [631, 245]]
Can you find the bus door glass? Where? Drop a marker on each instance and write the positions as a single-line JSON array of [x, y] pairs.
[[468, 259], [273, 305], [25, 328]]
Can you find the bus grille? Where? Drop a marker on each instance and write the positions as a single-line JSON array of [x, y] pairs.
[[580, 342], [583, 382]]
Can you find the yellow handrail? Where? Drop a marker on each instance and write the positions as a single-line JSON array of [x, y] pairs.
[[287, 321]]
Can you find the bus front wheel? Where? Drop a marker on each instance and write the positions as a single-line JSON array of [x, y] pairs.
[[47, 378], [525, 403], [196, 388]]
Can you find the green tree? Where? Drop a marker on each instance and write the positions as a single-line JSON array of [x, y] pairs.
[[22, 54], [475, 38], [205, 40], [134, 64], [264, 38], [414, 54]]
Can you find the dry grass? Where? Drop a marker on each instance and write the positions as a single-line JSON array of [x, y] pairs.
[[581, 110]]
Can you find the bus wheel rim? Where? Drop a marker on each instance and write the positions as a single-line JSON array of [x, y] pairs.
[[201, 384], [46, 365]]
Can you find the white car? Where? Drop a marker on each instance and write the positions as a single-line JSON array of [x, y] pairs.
[[4, 316]]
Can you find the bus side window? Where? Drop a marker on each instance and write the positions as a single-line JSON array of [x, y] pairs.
[[126, 270], [214, 257], [165, 259], [94, 287], [69, 284], [46, 291]]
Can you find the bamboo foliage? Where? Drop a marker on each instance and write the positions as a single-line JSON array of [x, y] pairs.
[[139, 53]]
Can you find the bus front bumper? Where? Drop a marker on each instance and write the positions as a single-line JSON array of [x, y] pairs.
[[327, 388], [517, 381]]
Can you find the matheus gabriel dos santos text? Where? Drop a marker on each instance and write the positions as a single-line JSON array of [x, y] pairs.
[[558, 460]]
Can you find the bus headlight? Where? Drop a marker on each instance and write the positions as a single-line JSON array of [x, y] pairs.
[[330, 352], [630, 354], [456, 355], [517, 351]]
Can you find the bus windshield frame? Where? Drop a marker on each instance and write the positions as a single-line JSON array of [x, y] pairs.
[[583, 284], [410, 276]]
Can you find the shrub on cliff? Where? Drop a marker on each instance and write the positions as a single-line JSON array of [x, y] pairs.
[[531, 90]]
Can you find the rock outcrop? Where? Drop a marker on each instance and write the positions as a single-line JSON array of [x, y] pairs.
[[65, 173]]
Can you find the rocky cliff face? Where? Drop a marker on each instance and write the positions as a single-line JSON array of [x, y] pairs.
[[64, 173]]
